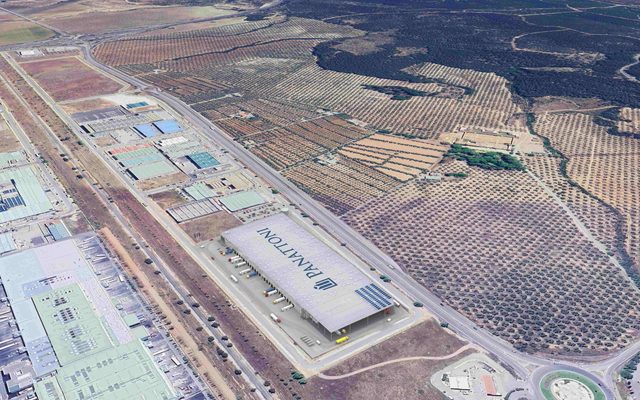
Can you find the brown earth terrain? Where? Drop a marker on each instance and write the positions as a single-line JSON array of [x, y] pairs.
[[210, 227], [361, 376], [168, 199], [70, 78]]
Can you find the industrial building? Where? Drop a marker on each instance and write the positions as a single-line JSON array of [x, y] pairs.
[[21, 194], [322, 285], [80, 346], [241, 200], [168, 126], [203, 160]]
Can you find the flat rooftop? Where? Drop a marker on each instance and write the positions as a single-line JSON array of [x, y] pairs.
[[123, 372], [315, 277], [72, 326], [21, 194], [241, 200]]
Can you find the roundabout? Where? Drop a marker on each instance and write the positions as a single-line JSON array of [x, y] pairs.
[[570, 384]]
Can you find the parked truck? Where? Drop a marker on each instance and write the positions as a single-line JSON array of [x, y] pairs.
[[275, 318], [342, 340], [279, 300]]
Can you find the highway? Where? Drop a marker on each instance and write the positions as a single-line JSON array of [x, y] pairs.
[[522, 364], [339, 230], [528, 368]]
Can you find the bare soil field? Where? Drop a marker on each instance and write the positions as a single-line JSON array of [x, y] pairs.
[[105, 141], [406, 380], [161, 181], [72, 107], [500, 250], [168, 199], [70, 78], [210, 226], [96, 18], [410, 378], [8, 141]]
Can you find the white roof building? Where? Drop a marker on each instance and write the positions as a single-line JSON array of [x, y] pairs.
[[332, 290]]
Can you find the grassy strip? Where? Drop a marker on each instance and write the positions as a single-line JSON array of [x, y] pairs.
[[545, 384]]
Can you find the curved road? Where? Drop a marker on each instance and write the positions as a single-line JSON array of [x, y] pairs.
[[397, 360], [520, 363]]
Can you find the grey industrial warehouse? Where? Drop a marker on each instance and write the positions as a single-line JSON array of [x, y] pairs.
[[321, 284]]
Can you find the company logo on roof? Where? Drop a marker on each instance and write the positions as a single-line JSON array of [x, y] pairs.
[[325, 284], [291, 253]]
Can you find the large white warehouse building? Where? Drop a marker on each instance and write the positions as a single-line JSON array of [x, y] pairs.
[[323, 285]]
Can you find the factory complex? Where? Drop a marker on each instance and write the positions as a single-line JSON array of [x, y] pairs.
[[76, 331]]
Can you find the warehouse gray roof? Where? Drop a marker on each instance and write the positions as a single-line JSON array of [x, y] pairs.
[[315, 277]]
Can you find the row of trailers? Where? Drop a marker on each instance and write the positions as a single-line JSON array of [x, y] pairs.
[[246, 271]]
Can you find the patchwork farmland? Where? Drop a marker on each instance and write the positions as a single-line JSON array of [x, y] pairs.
[[497, 248], [332, 134]]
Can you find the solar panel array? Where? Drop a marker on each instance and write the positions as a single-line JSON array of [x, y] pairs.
[[375, 296]]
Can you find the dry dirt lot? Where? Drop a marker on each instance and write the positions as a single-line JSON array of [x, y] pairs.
[[161, 181], [210, 226], [70, 78], [406, 379], [168, 199], [8, 141], [89, 22]]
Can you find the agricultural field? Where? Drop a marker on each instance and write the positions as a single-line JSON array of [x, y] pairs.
[[272, 59], [342, 185], [14, 30], [312, 88], [102, 22], [400, 158], [500, 250], [99, 17], [603, 164], [629, 122], [70, 78], [290, 145]]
